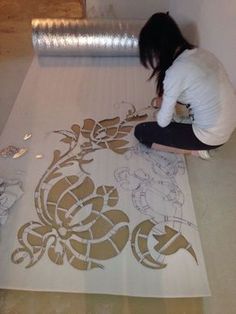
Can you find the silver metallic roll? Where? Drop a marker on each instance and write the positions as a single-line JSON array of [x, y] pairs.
[[76, 37]]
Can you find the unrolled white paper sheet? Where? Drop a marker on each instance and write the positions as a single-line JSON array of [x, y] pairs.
[[100, 213]]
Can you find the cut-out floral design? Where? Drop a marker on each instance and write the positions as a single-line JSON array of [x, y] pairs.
[[168, 243], [77, 223], [77, 227], [107, 133]]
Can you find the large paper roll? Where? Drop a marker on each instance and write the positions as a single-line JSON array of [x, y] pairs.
[[76, 37]]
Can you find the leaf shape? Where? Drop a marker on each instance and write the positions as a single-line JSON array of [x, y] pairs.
[[117, 146], [118, 143], [88, 127], [121, 151], [109, 122], [52, 176], [76, 129], [107, 236], [66, 197], [111, 131], [124, 131], [56, 156], [107, 224], [171, 241], [67, 140], [139, 243], [125, 128], [107, 249], [75, 260]]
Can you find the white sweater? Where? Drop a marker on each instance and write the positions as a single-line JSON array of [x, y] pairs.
[[196, 78]]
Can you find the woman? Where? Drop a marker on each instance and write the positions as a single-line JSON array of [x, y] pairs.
[[193, 77]]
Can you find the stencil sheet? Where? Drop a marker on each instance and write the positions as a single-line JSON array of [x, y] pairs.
[[100, 213]]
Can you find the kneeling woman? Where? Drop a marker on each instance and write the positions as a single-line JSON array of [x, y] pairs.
[[193, 77]]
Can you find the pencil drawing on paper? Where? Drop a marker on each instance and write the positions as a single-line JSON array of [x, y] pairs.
[[159, 198]]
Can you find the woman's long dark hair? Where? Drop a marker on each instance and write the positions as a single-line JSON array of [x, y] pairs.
[[160, 43]]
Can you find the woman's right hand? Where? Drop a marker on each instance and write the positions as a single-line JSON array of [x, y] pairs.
[[156, 102]]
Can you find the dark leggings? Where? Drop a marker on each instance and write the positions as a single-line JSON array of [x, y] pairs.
[[178, 135]]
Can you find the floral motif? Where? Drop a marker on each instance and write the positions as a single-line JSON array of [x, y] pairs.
[[107, 133], [76, 225], [168, 243], [77, 221]]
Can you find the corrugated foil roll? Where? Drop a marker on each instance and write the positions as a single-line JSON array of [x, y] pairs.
[[76, 37]]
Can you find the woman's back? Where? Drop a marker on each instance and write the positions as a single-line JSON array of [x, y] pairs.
[[198, 79]]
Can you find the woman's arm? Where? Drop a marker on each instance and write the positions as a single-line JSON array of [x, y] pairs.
[[165, 114], [174, 85]]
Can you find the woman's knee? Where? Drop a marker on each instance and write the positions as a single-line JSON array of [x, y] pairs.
[[139, 131]]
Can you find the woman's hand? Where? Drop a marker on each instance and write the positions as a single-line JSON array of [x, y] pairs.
[[156, 102]]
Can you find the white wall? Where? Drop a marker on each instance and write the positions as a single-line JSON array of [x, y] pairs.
[[139, 9], [213, 24]]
